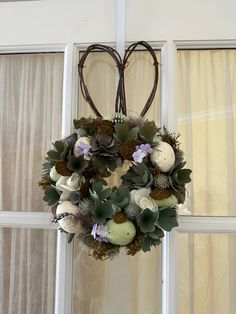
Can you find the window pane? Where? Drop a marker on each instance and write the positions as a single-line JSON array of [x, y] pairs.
[[30, 119], [124, 285], [207, 122], [207, 274], [100, 76], [27, 271]]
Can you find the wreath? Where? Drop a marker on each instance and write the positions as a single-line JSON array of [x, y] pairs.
[[135, 213]]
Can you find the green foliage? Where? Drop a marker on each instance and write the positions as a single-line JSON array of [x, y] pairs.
[[146, 220], [168, 218], [148, 131], [152, 239], [178, 177], [124, 134], [77, 164], [120, 196], [97, 192], [101, 211], [81, 132], [51, 196], [82, 123], [139, 176]]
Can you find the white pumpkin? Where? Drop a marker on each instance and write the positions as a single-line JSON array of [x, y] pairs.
[[54, 175], [70, 224], [163, 156], [83, 139]]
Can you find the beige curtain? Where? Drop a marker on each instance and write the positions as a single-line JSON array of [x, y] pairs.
[[30, 118], [128, 285], [207, 122]]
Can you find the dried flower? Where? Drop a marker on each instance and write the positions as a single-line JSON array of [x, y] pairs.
[[142, 151], [99, 232]]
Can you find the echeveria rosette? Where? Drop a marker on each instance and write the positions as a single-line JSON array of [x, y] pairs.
[[142, 151], [178, 176], [103, 145], [139, 175]]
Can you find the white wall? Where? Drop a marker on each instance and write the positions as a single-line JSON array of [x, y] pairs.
[[83, 21]]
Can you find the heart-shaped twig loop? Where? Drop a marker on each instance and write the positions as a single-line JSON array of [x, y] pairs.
[[120, 102]]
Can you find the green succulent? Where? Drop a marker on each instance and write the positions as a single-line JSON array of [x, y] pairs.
[[120, 196], [82, 123], [152, 239], [138, 176], [59, 152], [97, 192], [178, 176], [124, 134], [81, 132], [77, 164], [51, 196], [168, 218], [147, 220], [104, 145], [101, 211]]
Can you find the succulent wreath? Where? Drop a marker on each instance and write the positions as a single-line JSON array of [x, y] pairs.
[[134, 214]]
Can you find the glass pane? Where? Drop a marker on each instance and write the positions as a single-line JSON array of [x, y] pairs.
[[30, 119], [207, 274], [27, 271], [100, 76], [129, 285], [207, 122]]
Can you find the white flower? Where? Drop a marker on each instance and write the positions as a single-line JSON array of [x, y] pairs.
[[143, 200], [67, 185]]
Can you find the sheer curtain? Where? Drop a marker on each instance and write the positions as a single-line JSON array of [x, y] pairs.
[[30, 118], [128, 285], [207, 122]]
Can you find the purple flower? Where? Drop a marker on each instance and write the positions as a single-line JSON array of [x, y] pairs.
[[84, 149], [142, 151], [99, 232]]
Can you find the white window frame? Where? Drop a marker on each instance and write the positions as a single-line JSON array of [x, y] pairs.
[[187, 224]]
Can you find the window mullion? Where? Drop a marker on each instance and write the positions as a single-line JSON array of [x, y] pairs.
[[63, 293]]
